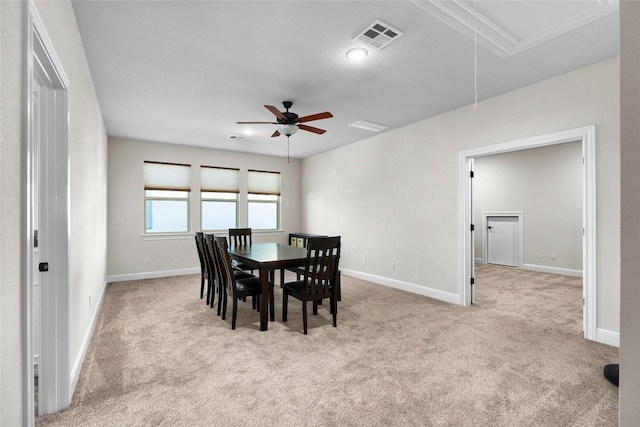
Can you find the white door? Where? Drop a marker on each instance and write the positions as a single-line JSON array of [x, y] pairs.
[[47, 228], [502, 240]]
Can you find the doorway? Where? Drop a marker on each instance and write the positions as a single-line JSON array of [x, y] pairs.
[[46, 230], [585, 135]]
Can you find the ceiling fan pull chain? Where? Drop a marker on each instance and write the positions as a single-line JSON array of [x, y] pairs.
[[287, 148]]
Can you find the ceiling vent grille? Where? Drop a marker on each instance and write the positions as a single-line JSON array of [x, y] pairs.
[[370, 126], [235, 138], [379, 35]]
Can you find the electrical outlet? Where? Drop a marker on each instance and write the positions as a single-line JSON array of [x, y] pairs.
[[553, 257], [364, 261], [146, 260], [393, 265]]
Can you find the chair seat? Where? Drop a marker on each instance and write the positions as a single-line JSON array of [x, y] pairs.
[[296, 288], [248, 284]]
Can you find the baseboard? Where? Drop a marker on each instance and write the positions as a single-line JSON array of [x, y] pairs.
[[608, 337], [552, 270], [77, 366], [405, 286], [152, 274]]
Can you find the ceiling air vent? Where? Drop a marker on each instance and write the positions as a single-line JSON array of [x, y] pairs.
[[379, 35], [370, 126], [235, 138]]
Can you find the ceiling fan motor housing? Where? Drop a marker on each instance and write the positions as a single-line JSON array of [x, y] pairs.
[[291, 118]]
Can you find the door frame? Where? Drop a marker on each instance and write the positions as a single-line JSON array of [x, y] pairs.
[[485, 235], [55, 390], [587, 136]]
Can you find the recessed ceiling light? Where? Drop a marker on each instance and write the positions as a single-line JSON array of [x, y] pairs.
[[248, 132], [357, 53]]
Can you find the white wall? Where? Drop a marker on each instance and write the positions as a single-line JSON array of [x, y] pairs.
[[11, 40], [630, 151], [88, 157], [394, 197], [128, 247], [546, 185]]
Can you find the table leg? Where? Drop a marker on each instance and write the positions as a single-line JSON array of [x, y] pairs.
[[264, 299]]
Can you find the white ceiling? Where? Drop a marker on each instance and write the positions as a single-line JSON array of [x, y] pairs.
[[185, 72]]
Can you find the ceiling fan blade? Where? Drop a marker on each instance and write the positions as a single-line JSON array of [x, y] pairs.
[[276, 133], [312, 129], [276, 112], [325, 115], [257, 123]]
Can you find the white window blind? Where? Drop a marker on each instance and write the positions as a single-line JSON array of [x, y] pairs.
[[167, 176], [219, 180], [263, 182]]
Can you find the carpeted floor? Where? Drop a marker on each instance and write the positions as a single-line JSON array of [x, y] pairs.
[[161, 357]]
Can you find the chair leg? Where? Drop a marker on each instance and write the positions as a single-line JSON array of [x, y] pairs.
[[221, 294], [212, 289], [304, 316], [334, 311], [315, 308], [272, 305], [224, 306], [201, 287], [234, 315], [285, 303]]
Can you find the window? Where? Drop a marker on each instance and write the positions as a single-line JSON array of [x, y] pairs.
[[167, 190], [219, 198], [263, 200]]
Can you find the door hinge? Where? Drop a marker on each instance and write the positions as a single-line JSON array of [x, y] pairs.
[[473, 281], [471, 174], [35, 238], [473, 227]]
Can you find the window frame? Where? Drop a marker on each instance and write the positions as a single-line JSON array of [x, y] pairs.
[[219, 186], [259, 189], [183, 187]]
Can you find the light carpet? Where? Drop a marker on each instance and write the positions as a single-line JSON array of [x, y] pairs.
[[161, 357]]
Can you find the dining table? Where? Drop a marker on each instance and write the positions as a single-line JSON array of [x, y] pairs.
[[266, 258]]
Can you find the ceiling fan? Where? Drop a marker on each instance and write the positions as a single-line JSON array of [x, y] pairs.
[[288, 123]]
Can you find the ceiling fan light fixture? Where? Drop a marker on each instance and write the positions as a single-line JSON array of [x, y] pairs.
[[286, 129], [357, 53], [248, 132]]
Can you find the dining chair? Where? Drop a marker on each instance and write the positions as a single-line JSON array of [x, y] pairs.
[[319, 278], [217, 269], [236, 288], [240, 237], [204, 273]]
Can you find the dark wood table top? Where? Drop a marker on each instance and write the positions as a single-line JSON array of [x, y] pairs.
[[269, 255]]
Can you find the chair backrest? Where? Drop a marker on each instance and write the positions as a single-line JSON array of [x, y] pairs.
[[224, 264], [209, 248], [201, 255], [321, 267], [240, 236]]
